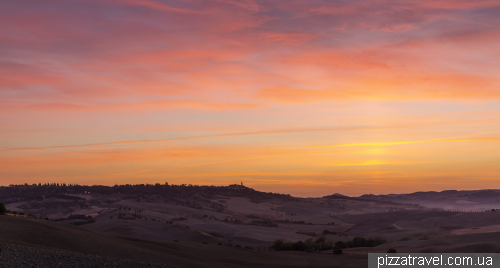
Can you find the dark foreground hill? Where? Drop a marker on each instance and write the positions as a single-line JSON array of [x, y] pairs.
[[38, 243], [21, 256]]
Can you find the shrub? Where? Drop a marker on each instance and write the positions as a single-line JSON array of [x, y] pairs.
[[310, 245], [363, 242], [392, 250], [330, 242], [307, 233], [83, 222], [266, 223], [322, 246], [287, 245], [3, 210], [359, 241], [79, 216], [321, 239], [278, 244], [406, 238], [337, 250], [340, 244], [299, 246], [379, 240]]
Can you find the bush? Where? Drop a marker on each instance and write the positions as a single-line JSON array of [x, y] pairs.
[[321, 239], [340, 244], [337, 250], [310, 245], [278, 244], [322, 244], [392, 250], [79, 217], [83, 222], [406, 238], [379, 240], [359, 241], [266, 223], [3, 210], [363, 242], [299, 246], [307, 233], [287, 245]]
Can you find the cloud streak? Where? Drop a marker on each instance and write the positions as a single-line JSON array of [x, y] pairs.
[[396, 143], [227, 135]]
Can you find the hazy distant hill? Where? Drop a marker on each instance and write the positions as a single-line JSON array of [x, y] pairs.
[[449, 199]]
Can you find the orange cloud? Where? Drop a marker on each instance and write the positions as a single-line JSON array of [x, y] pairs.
[[145, 106], [287, 38], [286, 94]]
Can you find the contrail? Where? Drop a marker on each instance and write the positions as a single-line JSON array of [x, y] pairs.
[[227, 135], [392, 143]]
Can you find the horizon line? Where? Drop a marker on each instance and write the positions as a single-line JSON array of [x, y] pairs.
[[187, 185]]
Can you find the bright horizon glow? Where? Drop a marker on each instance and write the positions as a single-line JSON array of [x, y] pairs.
[[307, 98]]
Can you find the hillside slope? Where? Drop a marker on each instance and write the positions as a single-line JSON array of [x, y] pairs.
[[44, 235]]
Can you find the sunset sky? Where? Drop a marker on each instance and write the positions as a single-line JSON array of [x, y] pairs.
[[306, 97]]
